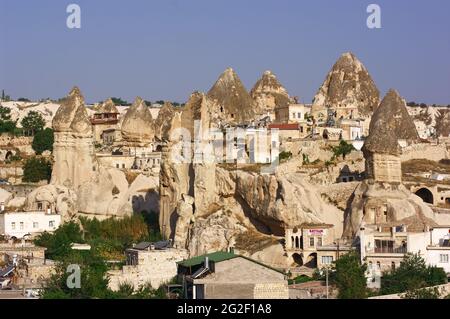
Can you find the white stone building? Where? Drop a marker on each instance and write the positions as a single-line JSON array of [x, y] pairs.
[[19, 224], [383, 249], [294, 113]]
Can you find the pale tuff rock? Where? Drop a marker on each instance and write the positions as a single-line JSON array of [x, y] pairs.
[[197, 108], [285, 201], [137, 124], [185, 215], [5, 196], [115, 197], [382, 141], [387, 205], [218, 231], [163, 123], [66, 113], [348, 86], [106, 195], [175, 180], [60, 199], [232, 102], [73, 149], [268, 93], [106, 107], [393, 116]]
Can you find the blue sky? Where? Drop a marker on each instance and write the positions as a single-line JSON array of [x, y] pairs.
[[166, 49]]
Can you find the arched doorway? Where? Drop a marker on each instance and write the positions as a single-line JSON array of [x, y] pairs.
[[426, 195], [311, 261], [298, 260]]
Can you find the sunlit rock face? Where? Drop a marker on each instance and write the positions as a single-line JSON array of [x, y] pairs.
[[73, 149], [137, 125], [268, 93], [231, 101], [348, 90]]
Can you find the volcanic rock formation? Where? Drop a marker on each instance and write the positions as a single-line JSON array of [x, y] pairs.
[[232, 103], [268, 93], [348, 89], [137, 124], [73, 149], [393, 117]]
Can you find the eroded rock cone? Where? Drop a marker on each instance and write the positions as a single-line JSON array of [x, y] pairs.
[[348, 85], [232, 102], [137, 125], [393, 116], [268, 93]]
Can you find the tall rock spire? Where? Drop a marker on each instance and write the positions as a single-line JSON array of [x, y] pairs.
[[137, 125], [232, 103], [348, 89], [268, 93]]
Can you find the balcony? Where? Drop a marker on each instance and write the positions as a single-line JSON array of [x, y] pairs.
[[390, 250]]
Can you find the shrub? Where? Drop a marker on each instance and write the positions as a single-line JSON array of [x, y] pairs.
[[36, 170], [33, 122], [43, 141]]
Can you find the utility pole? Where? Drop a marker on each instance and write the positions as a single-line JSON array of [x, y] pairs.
[[326, 271]]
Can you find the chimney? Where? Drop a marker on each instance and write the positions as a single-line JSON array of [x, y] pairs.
[[207, 262]]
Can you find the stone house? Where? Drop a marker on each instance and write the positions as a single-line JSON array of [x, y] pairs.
[[224, 275], [313, 246], [147, 263]]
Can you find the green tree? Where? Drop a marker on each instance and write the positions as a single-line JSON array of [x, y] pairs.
[[43, 141], [412, 274], [349, 277], [343, 149], [6, 124], [36, 170], [118, 101], [93, 279], [58, 243], [33, 122], [424, 293]]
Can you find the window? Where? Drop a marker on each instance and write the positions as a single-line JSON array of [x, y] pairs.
[[123, 165], [393, 266], [35, 225], [39, 206], [117, 166], [293, 115], [13, 226], [319, 241], [327, 260], [311, 242], [299, 115], [21, 225], [443, 258], [378, 265], [51, 223]]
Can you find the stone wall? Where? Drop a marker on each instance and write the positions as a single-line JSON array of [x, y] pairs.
[[22, 143], [155, 267], [384, 168], [432, 152]]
